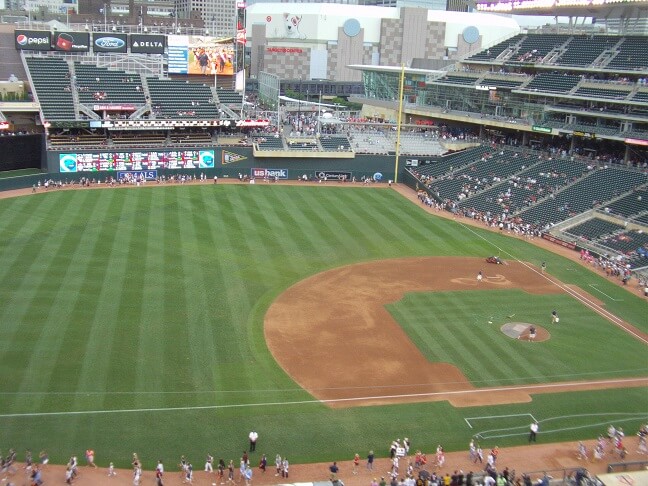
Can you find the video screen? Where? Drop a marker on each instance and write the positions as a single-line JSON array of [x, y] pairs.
[[124, 161]]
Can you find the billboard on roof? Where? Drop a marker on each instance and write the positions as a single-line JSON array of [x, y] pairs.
[[33, 40], [71, 41], [147, 44]]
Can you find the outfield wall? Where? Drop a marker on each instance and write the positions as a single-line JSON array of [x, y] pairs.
[[229, 162], [21, 152]]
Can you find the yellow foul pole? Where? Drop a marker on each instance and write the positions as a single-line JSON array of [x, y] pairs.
[[401, 87]]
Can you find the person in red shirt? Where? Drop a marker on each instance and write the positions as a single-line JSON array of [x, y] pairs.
[[89, 454]]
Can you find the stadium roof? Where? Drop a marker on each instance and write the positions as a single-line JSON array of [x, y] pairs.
[[569, 8]]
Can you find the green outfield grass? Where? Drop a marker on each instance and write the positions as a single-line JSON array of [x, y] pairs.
[[463, 329], [151, 300], [18, 173]]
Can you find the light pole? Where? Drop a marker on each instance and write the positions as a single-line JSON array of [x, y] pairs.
[[319, 114], [299, 107], [105, 12]]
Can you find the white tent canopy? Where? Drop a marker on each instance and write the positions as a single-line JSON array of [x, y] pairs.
[[311, 103]]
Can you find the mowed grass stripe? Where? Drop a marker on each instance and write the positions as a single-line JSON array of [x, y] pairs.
[[230, 300], [109, 276], [175, 348], [276, 240], [49, 355], [370, 222], [150, 330], [126, 254], [198, 334], [13, 211], [282, 216], [330, 223], [414, 226], [454, 335]]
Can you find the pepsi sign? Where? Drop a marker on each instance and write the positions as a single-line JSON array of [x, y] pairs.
[[32, 40], [109, 43], [147, 44]]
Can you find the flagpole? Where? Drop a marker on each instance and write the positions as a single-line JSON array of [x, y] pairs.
[[401, 86]]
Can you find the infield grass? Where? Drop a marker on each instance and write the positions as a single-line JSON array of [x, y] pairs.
[[152, 299]]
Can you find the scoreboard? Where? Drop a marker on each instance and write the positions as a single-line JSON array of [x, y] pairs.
[[111, 161]]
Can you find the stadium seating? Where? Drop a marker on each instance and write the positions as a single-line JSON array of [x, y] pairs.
[[51, 81], [229, 97], [201, 137], [134, 139], [270, 143], [489, 170], [493, 52], [335, 143], [630, 205], [179, 99], [502, 83], [559, 83], [632, 54], [454, 79], [627, 242], [116, 86], [641, 96], [616, 94], [534, 47], [523, 189], [594, 228], [303, 145], [370, 141], [447, 164], [590, 191], [583, 50]]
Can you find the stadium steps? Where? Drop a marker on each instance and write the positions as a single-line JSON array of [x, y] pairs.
[[50, 81]]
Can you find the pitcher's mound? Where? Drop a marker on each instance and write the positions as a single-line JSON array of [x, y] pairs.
[[520, 330]]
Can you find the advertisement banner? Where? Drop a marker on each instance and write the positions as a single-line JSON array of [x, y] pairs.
[[257, 173], [33, 40], [206, 159], [178, 54], [109, 42], [333, 175], [71, 41], [68, 162], [147, 44], [149, 175]]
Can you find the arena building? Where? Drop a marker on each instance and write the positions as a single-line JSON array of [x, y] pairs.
[[320, 41]]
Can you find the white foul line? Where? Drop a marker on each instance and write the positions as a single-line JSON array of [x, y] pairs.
[[600, 291], [333, 400]]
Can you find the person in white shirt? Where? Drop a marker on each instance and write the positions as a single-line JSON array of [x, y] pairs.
[[253, 440], [533, 431]]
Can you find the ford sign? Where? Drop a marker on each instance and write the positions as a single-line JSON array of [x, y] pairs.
[[109, 43]]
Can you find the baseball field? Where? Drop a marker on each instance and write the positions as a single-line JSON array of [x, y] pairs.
[[174, 320]]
